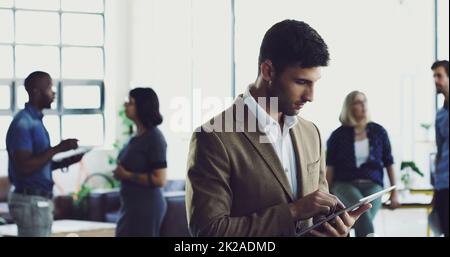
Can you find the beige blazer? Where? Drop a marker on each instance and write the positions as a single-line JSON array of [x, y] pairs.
[[236, 185]]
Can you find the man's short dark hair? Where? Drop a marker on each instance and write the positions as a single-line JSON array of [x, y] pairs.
[[293, 43], [33, 78], [443, 63]]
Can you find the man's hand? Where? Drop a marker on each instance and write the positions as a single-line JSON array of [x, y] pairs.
[[314, 204], [67, 162], [66, 145], [342, 224], [72, 160], [394, 202]]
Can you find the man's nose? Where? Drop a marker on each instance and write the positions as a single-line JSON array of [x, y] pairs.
[[309, 94]]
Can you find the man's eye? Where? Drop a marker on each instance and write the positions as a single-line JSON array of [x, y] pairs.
[[301, 82]]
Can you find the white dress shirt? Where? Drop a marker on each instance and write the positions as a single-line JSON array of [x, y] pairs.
[[280, 140]]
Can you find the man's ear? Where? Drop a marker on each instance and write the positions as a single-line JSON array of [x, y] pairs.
[[35, 91], [267, 70]]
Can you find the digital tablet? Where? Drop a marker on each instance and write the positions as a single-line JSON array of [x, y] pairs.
[[353, 207], [64, 155]]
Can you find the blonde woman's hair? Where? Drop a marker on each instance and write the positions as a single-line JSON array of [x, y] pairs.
[[346, 117]]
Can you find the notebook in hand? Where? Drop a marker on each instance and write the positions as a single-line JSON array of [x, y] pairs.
[[80, 150]]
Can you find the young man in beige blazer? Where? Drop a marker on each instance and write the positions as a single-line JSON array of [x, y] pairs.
[[257, 169]]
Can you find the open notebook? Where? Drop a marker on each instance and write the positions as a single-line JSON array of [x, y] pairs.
[[80, 150]]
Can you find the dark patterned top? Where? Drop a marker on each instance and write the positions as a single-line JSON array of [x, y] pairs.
[[341, 154]]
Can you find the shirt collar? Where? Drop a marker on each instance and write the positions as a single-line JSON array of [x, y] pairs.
[[265, 121], [35, 113]]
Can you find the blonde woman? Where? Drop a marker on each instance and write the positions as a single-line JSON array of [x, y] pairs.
[[357, 153]]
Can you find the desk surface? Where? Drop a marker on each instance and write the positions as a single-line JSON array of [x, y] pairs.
[[70, 228]]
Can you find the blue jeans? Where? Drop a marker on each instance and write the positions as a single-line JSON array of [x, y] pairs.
[[350, 193], [32, 214]]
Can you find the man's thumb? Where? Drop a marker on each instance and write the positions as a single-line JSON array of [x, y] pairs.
[[362, 209]]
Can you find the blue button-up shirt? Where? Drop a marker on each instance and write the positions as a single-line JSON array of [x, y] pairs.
[[441, 173], [27, 132]]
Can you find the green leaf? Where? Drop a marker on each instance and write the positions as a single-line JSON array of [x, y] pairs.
[[426, 126], [111, 160], [411, 165]]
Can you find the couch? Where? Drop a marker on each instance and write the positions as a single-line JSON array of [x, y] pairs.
[[5, 186], [103, 205]]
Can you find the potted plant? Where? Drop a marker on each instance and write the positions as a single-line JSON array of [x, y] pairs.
[[426, 127], [80, 203], [127, 125], [407, 167]]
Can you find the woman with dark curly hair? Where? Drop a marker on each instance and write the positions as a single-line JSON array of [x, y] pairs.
[[141, 168]]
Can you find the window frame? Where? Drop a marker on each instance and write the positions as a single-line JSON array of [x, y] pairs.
[[59, 82]]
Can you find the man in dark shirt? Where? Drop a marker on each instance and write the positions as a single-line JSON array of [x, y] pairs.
[[30, 160]]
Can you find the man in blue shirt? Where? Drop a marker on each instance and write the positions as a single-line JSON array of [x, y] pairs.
[[30, 160], [440, 74]]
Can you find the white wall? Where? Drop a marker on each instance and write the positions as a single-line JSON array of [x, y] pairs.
[[383, 48], [181, 52], [182, 49]]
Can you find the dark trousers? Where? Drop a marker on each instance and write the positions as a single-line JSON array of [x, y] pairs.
[[441, 206]]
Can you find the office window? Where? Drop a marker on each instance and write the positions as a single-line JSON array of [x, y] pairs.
[[79, 63], [37, 27], [21, 97], [66, 39], [6, 62], [6, 26], [92, 6], [90, 100], [91, 34], [6, 3], [4, 129], [5, 98], [32, 58], [38, 5]]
